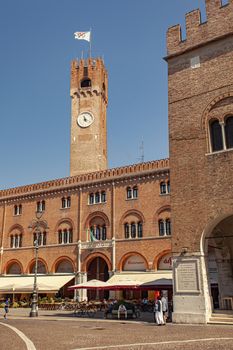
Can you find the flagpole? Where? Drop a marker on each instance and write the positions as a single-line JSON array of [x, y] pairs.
[[90, 44]]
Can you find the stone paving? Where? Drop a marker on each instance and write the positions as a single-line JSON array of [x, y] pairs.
[[59, 330]]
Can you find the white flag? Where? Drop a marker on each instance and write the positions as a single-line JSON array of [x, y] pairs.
[[82, 35]]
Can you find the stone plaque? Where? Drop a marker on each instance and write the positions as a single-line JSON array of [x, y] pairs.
[[186, 277]]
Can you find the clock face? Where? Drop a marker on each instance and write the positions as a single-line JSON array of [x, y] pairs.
[[85, 119]]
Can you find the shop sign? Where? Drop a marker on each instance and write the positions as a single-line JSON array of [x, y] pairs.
[[165, 262], [134, 263]]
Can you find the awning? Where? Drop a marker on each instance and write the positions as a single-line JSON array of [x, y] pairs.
[[92, 284], [24, 284], [146, 280]]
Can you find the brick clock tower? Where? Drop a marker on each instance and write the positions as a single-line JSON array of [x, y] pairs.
[[89, 99]]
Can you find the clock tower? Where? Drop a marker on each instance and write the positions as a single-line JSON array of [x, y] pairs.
[[89, 99]]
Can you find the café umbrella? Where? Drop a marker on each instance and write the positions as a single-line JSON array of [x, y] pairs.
[[92, 284]]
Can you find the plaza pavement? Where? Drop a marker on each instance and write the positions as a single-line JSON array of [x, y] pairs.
[[60, 330]]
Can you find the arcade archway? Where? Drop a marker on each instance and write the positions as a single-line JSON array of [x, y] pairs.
[[218, 247]]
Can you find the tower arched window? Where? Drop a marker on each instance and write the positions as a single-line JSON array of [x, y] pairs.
[[86, 83], [168, 187], [216, 136], [229, 132]]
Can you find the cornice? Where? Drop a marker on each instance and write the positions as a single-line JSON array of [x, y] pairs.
[[131, 173]]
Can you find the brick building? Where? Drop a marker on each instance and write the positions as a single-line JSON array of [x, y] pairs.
[[101, 221], [105, 222], [200, 78]]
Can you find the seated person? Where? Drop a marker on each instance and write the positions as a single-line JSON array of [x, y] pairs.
[[122, 310], [108, 310]]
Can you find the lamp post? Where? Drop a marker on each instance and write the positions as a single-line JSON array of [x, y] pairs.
[[35, 225]]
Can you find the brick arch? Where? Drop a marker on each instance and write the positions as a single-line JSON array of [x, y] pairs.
[[93, 215], [126, 256], [206, 116], [159, 257], [207, 232], [16, 227], [135, 212], [32, 261], [64, 220], [89, 258], [160, 211], [60, 259], [11, 262], [211, 105]]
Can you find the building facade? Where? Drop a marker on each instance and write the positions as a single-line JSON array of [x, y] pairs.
[[101, 222], [200, 92]]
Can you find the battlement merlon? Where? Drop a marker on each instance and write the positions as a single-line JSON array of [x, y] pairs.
[[95, 68], [219, 24]]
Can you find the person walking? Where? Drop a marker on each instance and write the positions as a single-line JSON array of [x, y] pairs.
[[164, 307], [6, 307], [158, 312]]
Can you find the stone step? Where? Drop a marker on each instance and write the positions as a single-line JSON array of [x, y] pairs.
[[222, 321], [222, 315]]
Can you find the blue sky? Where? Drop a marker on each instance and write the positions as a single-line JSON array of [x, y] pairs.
[[37, 46]]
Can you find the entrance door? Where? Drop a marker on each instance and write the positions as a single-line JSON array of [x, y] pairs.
[[97, 269]]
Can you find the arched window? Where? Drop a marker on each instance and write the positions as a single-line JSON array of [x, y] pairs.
[[104, 233], [40, 206], [135, 192], [65, 236], [161, 228], [14, 269], [103, 197], [97, 197], [140, 233], [16, 241], [65, 202], [168, 227], [129, 192], [41, 238], [163, 188], [18, 209], [168, 187], [86, 83], [91, 198], [229, 132], [126, 227], [216, 136], [133, 230]]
